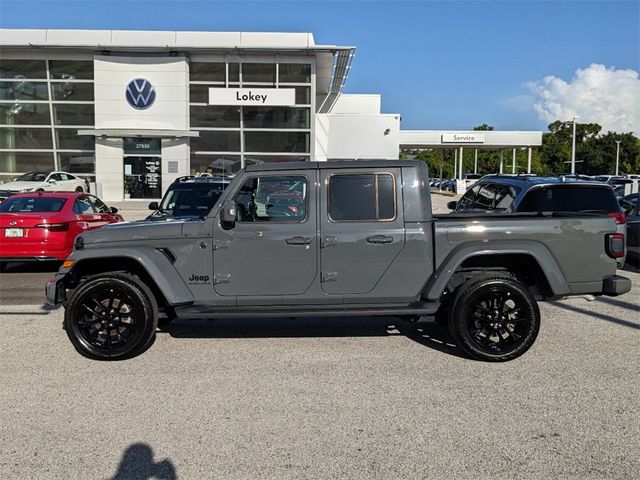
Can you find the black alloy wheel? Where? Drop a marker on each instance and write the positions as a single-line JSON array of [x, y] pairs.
[[111, 317], [494, 319]]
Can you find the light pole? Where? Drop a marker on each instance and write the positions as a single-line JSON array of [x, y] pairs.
[[617, 155], [573, 146]]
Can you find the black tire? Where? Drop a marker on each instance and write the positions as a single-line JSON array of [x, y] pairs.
[[79, 189], [494, 318], [111, 316], [40, 190]]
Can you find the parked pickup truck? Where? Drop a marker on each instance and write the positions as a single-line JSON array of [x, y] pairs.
[[336, 238]]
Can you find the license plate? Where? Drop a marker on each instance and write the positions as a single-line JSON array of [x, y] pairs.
[[14, 233]]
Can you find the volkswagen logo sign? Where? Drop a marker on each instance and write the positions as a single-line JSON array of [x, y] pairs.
[[140, 93]]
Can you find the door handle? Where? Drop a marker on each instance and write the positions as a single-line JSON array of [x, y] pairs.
[[298, 241], [328, 241], [380, 239]]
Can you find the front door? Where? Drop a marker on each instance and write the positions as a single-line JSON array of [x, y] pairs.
[[272, 248], [362, 228], [142, 177]]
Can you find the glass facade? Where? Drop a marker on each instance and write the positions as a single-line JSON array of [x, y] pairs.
[[234, 136], [43, 103]]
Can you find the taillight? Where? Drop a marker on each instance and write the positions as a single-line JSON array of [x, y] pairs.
[[620, 217], [54, 227], [615, 245]]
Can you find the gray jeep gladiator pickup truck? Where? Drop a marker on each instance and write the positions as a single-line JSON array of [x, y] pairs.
[[337, 238]]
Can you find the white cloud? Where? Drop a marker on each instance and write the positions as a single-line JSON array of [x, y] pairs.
[[596, 94]]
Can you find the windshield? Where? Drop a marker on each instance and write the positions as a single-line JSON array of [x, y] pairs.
[[32, 177], [191, 200], [32, 204]]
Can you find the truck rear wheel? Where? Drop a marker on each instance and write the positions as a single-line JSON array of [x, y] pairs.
[[494, 318], [111, 316]]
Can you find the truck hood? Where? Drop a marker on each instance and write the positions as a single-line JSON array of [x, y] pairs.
[[134, 231], [17, 186]]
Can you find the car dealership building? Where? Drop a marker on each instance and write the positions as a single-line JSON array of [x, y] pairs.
[[133, 110]]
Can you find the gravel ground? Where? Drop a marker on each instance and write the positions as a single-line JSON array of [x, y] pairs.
[[323, 398]]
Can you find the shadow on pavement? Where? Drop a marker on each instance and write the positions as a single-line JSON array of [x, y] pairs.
[[620, 303], [429, 335], [137, 464], [602, 316], [31, 267]]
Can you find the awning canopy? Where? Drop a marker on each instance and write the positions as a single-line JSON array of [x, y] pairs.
[[142, 133]]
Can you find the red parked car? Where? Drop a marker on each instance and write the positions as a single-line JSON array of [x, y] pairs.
[[43, 226]]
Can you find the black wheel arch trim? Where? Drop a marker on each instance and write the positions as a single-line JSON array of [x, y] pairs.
[[152, 261], [434, 288]]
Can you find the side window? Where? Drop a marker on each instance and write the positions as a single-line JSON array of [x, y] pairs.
[[82, 206], [485, 198], [64, 176], [272, 199], [505, 196], [362, 197], [467, 199], [99, 206], [56, 176]]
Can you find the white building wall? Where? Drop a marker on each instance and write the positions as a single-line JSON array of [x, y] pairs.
[[169, 76], [355, 128], [109, 169], [174, 150], [357, 103]]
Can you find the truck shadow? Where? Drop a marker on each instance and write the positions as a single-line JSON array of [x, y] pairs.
[[429, 335]]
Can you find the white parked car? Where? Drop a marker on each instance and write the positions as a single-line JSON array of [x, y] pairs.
[[43, 181]]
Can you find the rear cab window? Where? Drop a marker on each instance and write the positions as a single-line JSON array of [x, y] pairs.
[[362, 197], [32, 204], [570, 198]]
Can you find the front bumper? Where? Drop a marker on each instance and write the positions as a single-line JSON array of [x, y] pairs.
[[55, 290], [615, 285]]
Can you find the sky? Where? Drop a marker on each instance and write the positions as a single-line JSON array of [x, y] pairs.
[[516, 65]]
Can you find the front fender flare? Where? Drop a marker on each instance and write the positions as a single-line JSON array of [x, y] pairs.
[[540, 253], [155, 263]]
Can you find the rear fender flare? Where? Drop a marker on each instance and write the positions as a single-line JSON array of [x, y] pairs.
[[540, 254]]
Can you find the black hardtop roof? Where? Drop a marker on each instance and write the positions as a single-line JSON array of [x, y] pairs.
[[531, 180], [192, 179], [332, 164]]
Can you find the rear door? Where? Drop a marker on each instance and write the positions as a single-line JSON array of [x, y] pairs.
[[272, 248], [362, 228]]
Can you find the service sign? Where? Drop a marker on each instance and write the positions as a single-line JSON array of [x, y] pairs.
[[282, 97], [463, 138]]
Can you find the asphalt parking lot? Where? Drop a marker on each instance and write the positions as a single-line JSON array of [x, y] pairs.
[[320, 398]]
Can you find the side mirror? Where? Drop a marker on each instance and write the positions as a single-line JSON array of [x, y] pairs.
[[51, 180], [152, 206], [228, 214], [452, 205], [114, 210]]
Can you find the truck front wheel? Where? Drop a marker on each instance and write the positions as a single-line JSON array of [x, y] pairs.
[[494, 318], [111, 316]]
